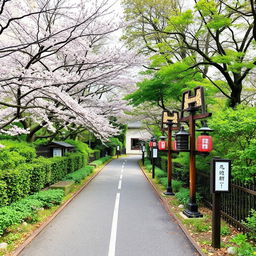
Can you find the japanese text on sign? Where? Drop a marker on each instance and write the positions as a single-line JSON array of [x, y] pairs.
[[222, 176]]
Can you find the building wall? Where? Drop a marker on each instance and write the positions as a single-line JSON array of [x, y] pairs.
[[135, 133]]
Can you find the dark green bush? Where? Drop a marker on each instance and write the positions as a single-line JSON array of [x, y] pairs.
[[10, 159], [3, 194], [79, 175], [97, 153], [163, 160]]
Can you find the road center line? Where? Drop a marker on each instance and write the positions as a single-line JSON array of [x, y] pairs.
[[121, 176], [112, 243], [120, 184]]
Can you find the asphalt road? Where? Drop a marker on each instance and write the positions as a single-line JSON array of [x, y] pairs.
[[117, 214]]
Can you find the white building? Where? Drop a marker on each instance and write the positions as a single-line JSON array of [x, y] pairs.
[[134, 136]]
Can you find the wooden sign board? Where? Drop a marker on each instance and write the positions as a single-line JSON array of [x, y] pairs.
[[220, 175], [197, 101], [170, 117]]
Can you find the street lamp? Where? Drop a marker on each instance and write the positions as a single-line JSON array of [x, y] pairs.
[[204, 141], [182, 140]]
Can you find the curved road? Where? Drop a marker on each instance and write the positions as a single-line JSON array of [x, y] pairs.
[[117, 214]]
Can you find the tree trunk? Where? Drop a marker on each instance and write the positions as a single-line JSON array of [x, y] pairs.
[[235, 96]]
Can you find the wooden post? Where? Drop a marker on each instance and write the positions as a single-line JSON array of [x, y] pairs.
[[216, 219], [169, 161], [192, 211]]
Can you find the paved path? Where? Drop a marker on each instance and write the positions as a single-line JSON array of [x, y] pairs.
[[117, 214]]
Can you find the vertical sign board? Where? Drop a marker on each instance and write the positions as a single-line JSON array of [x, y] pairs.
[[154, 152], [220, 175], [143, 148], [220, 182]]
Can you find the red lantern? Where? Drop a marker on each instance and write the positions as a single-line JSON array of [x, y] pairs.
[[174, 145], [204, 143], [162, 145], [151, 144]]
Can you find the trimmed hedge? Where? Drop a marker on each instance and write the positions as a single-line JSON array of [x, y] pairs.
[[24, 209], [80, 174], [101, 161], [32, 177]]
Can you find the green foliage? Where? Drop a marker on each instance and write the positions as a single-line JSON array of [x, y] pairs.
[[160, 173], [101, 161], [176, 185], [183, 196], [112, 144], [80, 174], [25, 209], [50, 197], [17, 184], [96, 153], [198, 225], [82, 148], [244, 247], [163, 163], [251, 224], [3, 193], [225, 230], [235, 138]]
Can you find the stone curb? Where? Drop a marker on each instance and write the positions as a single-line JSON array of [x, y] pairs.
[[17, 251], [167, 208]]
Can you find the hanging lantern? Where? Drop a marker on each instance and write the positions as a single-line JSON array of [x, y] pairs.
[[182, 139], [162, 145], [204, 141], [151, 144]]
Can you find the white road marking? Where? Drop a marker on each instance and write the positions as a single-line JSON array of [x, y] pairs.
[[112, 243], [120, 184], [121, 176]]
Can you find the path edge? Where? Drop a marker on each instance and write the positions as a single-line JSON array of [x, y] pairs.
[[20, 248], [167, 208]]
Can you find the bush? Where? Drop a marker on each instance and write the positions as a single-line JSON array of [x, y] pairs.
[[26, 208], [101, 161], [163, 163], [79, 175], [17, 184], [97, 154], [251, 224], [160, 173], [50, 197], [176, 185], [183, 196], [244, 247], [3, 194], [81, 147]]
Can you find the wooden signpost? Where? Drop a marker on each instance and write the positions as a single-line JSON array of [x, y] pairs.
[[171, 119]]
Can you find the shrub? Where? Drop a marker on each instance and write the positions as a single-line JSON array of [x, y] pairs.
[[176, 185], [97, 153], [244, 247], [17, 184], [9, 160], [163, 160], [26, 208], [101, 161], [79, 175], [3, 194], [183, 196], [82, 148], [251, 224], [50, 197], [160, 173]]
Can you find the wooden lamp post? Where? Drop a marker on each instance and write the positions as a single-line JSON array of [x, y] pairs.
[[191, 105], [171, 120]]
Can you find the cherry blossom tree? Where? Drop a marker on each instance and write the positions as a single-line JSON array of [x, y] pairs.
[[59, 69]]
